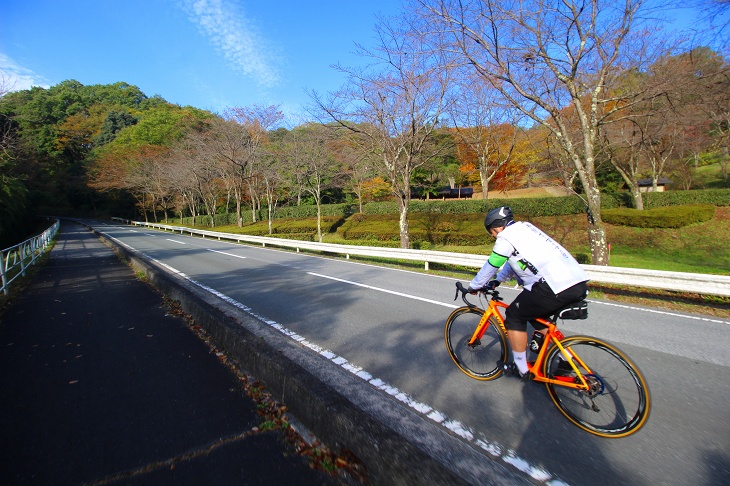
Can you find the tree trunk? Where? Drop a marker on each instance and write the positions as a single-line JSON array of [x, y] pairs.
[[596, 229], [405, 239], [638, 199], [319, 220]]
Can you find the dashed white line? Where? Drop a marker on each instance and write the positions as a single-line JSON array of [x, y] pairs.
[[227, 254], [379, 289]]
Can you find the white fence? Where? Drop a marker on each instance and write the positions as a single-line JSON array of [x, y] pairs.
[[678, 281], [17, 258]]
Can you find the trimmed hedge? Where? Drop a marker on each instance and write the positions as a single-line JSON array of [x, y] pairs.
[[539, 206], [448, 229], [716, 197], [664, 217]]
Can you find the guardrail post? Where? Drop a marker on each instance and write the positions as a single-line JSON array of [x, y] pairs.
[[2, 274]]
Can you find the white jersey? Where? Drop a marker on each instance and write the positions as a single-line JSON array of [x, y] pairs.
[[531, 256]]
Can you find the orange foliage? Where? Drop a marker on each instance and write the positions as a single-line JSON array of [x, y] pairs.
[[376, 189]]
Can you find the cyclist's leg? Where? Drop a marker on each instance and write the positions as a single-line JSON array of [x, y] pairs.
[[539, 301]]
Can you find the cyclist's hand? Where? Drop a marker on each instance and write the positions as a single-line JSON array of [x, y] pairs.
[[492, 284], [471, 291]]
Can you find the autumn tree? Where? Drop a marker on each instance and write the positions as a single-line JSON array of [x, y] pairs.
[[485, 128], [668, 124]]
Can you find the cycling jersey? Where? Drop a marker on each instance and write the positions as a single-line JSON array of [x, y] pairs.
[[531, 256]]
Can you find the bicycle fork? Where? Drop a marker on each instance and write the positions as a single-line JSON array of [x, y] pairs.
[[483, 324]]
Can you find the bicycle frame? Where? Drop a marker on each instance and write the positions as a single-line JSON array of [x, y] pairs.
[[552, 335]]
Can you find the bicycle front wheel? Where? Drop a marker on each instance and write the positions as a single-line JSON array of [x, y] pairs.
[[616, 404], [478, 360]]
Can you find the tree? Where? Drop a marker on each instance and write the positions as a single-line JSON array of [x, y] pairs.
[[670, 122], [543, 57], [204, 168], [239, 143], [309, 149], [395, 104], [485, 129], [358, 165], [114, 122]]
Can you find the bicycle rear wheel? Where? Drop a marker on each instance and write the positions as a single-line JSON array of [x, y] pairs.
[[617, 403], [479, 360]]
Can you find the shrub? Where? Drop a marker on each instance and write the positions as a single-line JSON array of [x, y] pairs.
[[716, 197], [665, 217]]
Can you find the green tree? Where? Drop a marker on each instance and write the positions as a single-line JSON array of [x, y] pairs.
[[114, 122]]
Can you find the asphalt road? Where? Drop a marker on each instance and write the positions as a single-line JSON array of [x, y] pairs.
[[389, 324]]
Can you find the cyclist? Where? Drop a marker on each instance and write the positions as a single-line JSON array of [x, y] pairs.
[[550, 277]]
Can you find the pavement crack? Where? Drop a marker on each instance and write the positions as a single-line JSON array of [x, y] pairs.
[[171, 462]]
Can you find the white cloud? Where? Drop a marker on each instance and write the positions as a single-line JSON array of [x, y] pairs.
[[235, 37], [14, 77]]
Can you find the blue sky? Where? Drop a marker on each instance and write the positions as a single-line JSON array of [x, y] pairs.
[[211, 54]]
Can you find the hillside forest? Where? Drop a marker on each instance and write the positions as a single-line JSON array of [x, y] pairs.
[[589, 106]]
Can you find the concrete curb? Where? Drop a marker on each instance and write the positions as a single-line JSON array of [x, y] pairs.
[[396, 444]]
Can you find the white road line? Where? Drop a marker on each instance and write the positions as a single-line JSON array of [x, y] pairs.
[[654, 311], [227, 254], [175, 241], [400, 294]]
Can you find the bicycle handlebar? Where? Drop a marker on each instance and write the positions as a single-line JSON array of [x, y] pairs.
[[464, 291]]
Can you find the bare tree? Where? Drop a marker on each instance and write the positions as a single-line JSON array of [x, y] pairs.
[[621, 144], [238, 142], [309, 150], [205, 168], [553, 61], [396, 104], [357, 164]]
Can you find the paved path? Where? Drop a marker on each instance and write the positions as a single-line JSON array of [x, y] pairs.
[[99, 385]]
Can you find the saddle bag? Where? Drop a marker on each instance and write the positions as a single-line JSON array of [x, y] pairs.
[[578, 310]]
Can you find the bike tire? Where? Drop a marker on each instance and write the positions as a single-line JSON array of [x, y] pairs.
[[481, 360], [619, 402]]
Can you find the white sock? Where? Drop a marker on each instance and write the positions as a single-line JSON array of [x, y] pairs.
[[521, 361]]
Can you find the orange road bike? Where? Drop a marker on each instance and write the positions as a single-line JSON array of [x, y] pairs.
[[594, 384]]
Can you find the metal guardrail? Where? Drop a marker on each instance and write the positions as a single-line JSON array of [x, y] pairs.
[[17, 258], [677, 281]]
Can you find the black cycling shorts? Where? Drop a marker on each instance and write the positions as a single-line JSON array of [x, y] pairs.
[[540, 302]]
